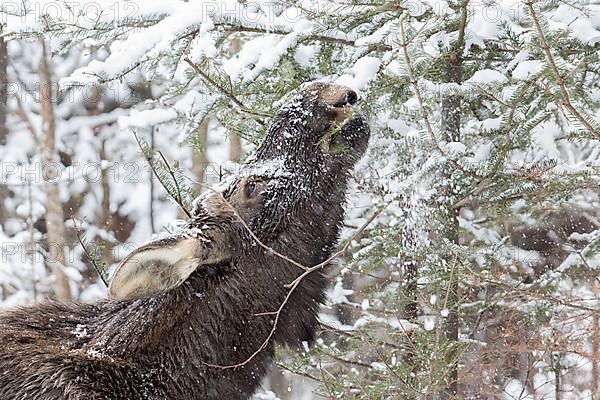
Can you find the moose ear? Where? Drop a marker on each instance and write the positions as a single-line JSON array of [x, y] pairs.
[[158, 267]]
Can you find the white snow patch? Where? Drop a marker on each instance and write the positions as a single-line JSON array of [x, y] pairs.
[[338, 294], [526, 69], [147, 118], [304, 55], [80, 331], [364, 71], [486, 76]]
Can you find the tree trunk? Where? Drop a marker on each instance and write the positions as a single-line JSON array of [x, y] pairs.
[[105, 219], [451, 116], [199, 160], [31, 243], [55, 227], [3, 126], [235, 146], [596, 357], [556, 361]]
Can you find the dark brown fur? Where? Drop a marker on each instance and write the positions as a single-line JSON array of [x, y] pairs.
[[162, 346]]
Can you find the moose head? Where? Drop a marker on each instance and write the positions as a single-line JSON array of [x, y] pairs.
[[295, 185]]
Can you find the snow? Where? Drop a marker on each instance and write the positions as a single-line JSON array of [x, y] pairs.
[[269, 59], [249, 55], [305, 55], [526, 69], [364, 71], [583, 27], [491, 124], [80, 331], [429, 322], [146, 118], [455, 148], [514, 390], [544, 136], [486, 76], [338, 294]]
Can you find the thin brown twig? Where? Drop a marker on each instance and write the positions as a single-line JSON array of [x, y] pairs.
[[225, 92], [303, 374], [294, 284], [324, 381], [269, 249]]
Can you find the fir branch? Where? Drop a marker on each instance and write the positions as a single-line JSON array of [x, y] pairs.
[[179, 199], [100, 269], [175, 194], [226, 92], [559, 79], [424, 114], [529, 293], [308, 38]]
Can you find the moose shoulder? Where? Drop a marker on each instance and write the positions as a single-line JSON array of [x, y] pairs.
[[183, 306]]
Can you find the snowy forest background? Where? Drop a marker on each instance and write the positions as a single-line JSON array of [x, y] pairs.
[[477, 275]]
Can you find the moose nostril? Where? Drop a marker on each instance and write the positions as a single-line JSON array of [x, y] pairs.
[[351, 98]]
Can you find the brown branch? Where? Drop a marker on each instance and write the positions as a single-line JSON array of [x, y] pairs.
[[294, 284], [351, 362], [225, 92], [321, 38], [269, 249], [559, 79]]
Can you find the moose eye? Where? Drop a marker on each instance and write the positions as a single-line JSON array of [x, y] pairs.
[[250, 188]]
